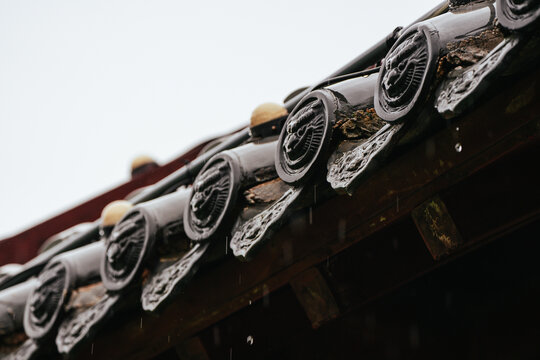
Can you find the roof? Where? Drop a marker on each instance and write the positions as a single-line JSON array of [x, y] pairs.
[[375, 178]]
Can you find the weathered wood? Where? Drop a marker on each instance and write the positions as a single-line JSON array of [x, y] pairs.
[[315, 297], [437, 228], [486, 135], [266, 193]]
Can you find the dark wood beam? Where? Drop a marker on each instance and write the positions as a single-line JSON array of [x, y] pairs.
[[315, 297], [437, 228]]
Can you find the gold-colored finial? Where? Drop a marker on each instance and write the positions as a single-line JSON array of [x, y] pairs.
[[267, 112], [114, 211], [141, 161]]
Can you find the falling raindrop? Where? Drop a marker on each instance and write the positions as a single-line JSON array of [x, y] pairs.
[[92, 349], [414, 336], [266, 296], [342, 229], [169, 338], [458, 147], [250, 340], [430, 149], [217, 337], [141, 323], [395, 243], [310, 216]]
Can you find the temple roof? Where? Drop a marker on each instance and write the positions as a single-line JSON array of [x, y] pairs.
[[327, 225]]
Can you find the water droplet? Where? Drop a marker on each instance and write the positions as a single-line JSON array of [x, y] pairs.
[[395, 242], [310, 216], [92, 349], [217, 337], [249, 302], [141, 323], [250, 340], [266, 296], [342, 229], [458, 147], [430, 149], [414, 336], [457, 128]]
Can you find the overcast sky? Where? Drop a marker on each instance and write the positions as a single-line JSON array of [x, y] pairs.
[[87, 85]]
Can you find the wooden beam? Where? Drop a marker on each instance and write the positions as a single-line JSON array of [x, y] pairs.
[[315, 297], [437, 228]]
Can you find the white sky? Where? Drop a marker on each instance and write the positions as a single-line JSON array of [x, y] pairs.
[[87, 85]]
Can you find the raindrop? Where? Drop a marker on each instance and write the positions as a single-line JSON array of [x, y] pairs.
[[169, 338], [141, 323], [458, 147], [92, 349], [342, 229], [249, 302], [217, 337], [395, 243], [457, 128], [250, 340], [430, 149], [414, 336], [266, 296], [287, 252], [310, 216]]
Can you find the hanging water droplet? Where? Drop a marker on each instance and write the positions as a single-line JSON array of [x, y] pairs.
[[459, 147], [250, 340]]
